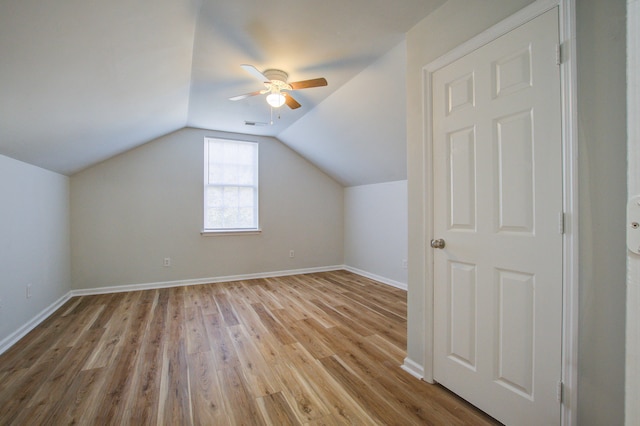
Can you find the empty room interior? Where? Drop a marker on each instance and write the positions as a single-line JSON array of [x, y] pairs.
[[319, 213]]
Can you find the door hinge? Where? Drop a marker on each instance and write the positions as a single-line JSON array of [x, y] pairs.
[[561, 221], [560, 391], [559, 54], [562, 52]]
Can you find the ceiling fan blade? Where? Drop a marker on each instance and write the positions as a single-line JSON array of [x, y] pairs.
[[246, 95], [306, 84], [254, 72], [291, 103]]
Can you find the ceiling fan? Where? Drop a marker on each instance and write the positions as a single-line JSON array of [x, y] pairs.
[[275, 82]]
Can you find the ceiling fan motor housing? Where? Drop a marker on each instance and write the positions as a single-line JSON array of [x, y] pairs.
[[277, 78], [278, 75]]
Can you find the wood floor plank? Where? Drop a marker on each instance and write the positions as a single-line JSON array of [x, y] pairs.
[[316, 349], [361, 392], [303, 399], [119, 384], [274, 326], [35, 415], [197, 337], [246, 291], [282, 292], [351, 352], [17, 395], [143, 406], [315, 288], [241, 406], [385, 308], [61, 376], [276, 410], [207, 302], [334, 396], [81, 322], [414, 402], [269, 299], [207, 400], [115, 336], [81, 399], [175, 405], [37, 342], [316, 345], [110, 305], [64, 309], [329, 420], [226, 309], [295, 293], [224, 353], [393, 352], [259, 377], [266, 342], [376, 324], [341, 318]]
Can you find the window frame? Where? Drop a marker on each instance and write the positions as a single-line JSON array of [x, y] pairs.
[[256, 187]]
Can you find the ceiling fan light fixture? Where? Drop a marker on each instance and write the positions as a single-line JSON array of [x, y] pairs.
[[276, 99]]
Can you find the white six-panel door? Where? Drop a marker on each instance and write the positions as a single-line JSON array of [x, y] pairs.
[[497, 165]]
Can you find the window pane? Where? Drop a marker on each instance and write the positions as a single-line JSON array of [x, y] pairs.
[[214, 196], [231, 184]]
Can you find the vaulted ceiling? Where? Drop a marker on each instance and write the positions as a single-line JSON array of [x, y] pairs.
[[84, 80]]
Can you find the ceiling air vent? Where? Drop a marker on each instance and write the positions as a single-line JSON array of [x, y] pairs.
[[255, 123]]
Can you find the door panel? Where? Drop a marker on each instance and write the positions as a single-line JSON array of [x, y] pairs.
[[462, 209], [497, 195], [515, 331], [514, 151], [462, 308]]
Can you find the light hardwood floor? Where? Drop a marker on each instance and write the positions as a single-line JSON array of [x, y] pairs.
[[317, 349]]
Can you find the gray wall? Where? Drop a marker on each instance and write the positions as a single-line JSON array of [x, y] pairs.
[[131, 211], [603, 190], [602, 185], [375, 230], [34, 242]]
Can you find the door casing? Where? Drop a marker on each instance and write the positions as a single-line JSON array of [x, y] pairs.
[[567, 58]]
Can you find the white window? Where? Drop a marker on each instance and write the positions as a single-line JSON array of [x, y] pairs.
[[230, 185]]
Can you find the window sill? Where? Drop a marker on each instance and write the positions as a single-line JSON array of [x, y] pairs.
[[211, 233]]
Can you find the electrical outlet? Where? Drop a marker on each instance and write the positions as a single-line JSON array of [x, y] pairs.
[[28, 291], [404, 263], [292, 253], [167, 262]]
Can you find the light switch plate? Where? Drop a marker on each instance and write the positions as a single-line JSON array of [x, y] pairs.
[[633, 224]]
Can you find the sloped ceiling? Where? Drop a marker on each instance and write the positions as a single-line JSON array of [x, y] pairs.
[[83, 80], [358, 133]]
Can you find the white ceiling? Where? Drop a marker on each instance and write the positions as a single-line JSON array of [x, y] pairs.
[[83, 80]]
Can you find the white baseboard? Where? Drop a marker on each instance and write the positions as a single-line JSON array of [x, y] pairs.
[[413, 368], [11, 339], [383, 280], [197, 281]]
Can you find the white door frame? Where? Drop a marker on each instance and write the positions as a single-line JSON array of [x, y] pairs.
[[567, 57], [632, 366]]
